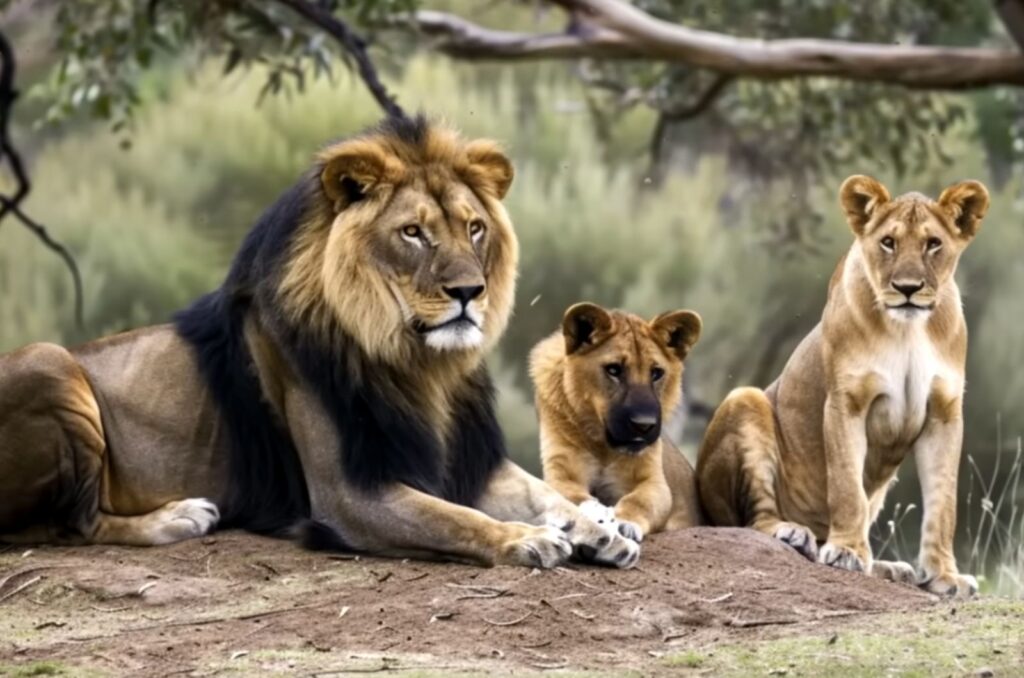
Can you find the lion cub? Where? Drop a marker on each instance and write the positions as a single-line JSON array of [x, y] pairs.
[[810, 458], [603, 385]]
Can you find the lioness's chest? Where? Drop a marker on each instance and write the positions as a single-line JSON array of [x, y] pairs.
[[904, 375]]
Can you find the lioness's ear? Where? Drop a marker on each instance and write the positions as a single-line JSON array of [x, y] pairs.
[[581, 323], [678, 330], [860, 197], [352, 168], [966, 203], [488, 169]]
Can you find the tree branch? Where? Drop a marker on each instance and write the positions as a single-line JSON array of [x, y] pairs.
[[353, 44], [618, 30], [11, 205]]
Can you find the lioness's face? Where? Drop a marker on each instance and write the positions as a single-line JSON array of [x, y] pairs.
[[911, 244], [623, 374]]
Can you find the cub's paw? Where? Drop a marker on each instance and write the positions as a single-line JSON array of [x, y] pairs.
[[799, 537], [951, 585], [840, 556], [895, 570], [631, 530], [594, 543], [598, 513], [544, 547], [184, 519]]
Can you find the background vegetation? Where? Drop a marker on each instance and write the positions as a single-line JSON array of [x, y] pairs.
[[154, 225]]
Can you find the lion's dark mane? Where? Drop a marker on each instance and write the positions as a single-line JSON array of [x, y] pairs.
[[384, 438]]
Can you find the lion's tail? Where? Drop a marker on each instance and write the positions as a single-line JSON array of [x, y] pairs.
[[317, 536]]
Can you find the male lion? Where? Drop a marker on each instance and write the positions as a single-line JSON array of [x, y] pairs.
[[603, 385], [810, 458], [336, 375]]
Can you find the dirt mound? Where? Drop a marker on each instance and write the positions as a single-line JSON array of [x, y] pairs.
[[239, 601]]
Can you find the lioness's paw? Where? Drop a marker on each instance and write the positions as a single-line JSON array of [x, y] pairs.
[[799, 537], [544, 547], [597, 512], [840, 556], [895, 570], [951, 585], [631, 530], [594, 543], [184, 519]]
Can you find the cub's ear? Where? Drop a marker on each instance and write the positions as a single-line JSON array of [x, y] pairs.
[[678, 330], [860, 197], [966, 203], [581, 325], [352, 169], [487, 168]]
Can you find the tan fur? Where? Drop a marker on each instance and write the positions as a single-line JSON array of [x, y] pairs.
[[653, 488], [114, 441], [887, 381]]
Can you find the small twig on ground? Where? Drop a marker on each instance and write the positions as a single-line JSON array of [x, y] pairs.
[[719, 599], [479, 591], [749, 623], [511, 622], [21, 588], [110, 609], [583, 615]]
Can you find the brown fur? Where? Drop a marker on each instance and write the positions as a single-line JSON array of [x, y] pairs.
[[652, 488], [887, 381], [112, 442]]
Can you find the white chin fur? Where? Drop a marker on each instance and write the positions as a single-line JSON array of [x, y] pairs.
[[908, 314], [457, 337]]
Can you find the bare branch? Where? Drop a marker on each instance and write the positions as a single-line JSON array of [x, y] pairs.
[[679, 114], [11, 205], [617, 30], [352, 43]]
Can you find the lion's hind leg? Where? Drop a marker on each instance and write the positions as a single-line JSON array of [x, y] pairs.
[[738, 471]]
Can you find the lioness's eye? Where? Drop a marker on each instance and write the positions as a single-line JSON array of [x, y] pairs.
[[657, 373], [613, 370], [888, 244], [934, 244], [412, 231], [476, 227]]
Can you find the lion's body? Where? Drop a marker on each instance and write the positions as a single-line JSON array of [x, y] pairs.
[[651, 485], [810, 458], [336, 376]]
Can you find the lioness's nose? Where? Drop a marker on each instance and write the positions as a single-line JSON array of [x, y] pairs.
[[642, 423], [465, 294], [908, 289]]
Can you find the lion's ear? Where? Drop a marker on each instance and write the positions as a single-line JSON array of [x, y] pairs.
[[352, 169], [860, 197], [966, 203], [678, 330], [488, 168], [581, 325]]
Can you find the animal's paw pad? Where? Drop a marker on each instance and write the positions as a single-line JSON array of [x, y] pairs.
[[952, 585], [799, 537], [896, 571], [631, 530], [841, 557], [185, 519], [543, 547]]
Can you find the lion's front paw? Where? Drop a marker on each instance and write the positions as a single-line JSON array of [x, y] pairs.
[[594, 543], [951, 585], [799, 537], [545, 547], [631, 530], [597, 512], [840, 556], [895, 570]]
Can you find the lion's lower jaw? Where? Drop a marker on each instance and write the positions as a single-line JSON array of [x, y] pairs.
[[908, 315], [457, 338]]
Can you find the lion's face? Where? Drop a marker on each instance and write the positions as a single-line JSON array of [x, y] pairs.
[[911, 245], [624, 374], [413, 249]]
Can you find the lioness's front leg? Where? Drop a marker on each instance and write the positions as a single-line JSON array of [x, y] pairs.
[[937, 452], [646, 507], [845, 450], [514, 494]]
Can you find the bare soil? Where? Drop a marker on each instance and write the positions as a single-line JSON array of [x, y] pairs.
[[234, 602]]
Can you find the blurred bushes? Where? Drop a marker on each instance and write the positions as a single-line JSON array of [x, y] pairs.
[[156, 225]]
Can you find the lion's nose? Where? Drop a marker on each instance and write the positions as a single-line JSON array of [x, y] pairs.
[[908, 289], [642, 424], [465, 294]]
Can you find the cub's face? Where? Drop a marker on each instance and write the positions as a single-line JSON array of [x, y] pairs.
[[911, 244], [623, 374]]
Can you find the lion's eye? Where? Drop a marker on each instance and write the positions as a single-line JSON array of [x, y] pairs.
[[657, 373], [412, 231], [888, 244], [934, 244], [476, 227], [613, 370]]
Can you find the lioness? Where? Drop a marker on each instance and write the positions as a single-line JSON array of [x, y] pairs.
[[603, 385], [337, 375], [882, 375]]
